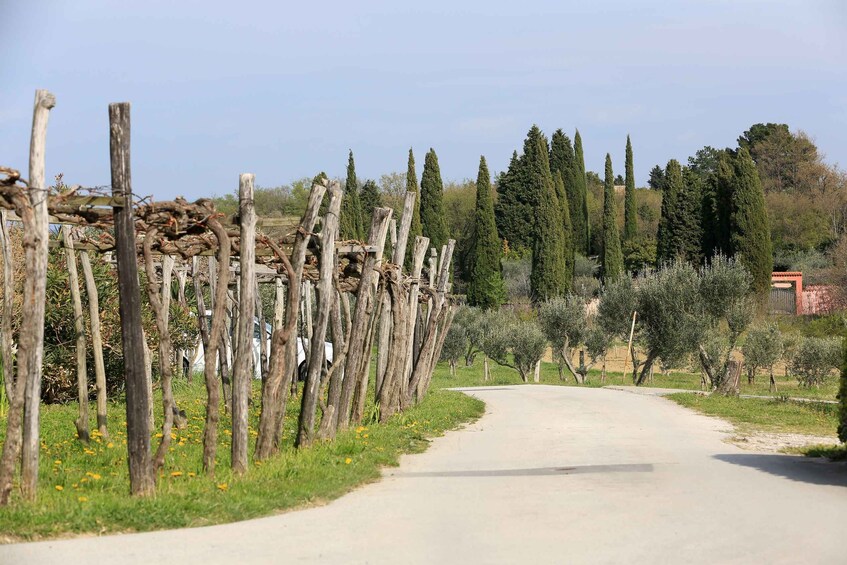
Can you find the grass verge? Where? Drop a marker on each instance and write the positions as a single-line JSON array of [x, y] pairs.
[[766, 415], [468, 376], [85, 488]]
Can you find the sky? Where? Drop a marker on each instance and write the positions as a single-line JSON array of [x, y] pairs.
[[285, 89]]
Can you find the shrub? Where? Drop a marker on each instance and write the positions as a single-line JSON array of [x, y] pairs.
[[815, 359]]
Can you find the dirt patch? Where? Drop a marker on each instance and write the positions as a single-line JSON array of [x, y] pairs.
[[778, 442]]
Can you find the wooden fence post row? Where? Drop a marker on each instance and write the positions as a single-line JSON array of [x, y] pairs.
[[406, 314]]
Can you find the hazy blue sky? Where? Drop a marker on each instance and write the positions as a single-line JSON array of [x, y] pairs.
[[283, 89]]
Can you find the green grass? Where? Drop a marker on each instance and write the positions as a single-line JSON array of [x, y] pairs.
[[754, 414], [832, 452], [94, 494]]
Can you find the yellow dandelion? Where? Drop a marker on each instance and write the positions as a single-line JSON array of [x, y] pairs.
[[223, 486], [110, 445], [348, 461], [89, 451], [192, 474], [159, 435], [176, 474], [60, 488], [83, 499], [360, 429], [57, 462], [366, 435]]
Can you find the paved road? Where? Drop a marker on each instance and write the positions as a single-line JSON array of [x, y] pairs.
[[548, 475]]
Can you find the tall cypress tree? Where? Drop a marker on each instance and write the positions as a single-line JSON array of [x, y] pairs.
[[369, 199], [666, 242], [582, 229], [350, 221], [563, 160], [415, 228], [485, 288], [751, 236], [518, 195], [433, 224], [630, 224], [612, 257], [567, 230], [547, 279], [689, 217]]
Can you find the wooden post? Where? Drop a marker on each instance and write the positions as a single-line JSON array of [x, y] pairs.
[[216, 339], [283, 358], [31, 342], [279, 304], [242, 374], [418, 256], [537, 372], [263, 332], [399, 241], [96, 342], [159, 297], [182, 354], [356, 355], [137, 397], [629, 344], [79, 329], [8, 303], [311, 388]]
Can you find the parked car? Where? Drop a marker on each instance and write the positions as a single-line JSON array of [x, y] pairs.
[[198, 362]]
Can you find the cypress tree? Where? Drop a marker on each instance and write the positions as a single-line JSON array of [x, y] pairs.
[[369, 198], [350, 220], [689, 216], [666, 246], [630, 224], [751, 236], [547, 279], [518, 194], [567, 231], [612, 257], [563, 160], [433, 224], [415, 228], [582, 230], [485, 288]]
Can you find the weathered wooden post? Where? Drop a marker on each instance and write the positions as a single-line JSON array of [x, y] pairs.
[[138, 401], [283, 358], [96, 342], [244, 346], [361, 334], [8, 303], [325, 298], [79, 329], [31, 341], [418, 256]]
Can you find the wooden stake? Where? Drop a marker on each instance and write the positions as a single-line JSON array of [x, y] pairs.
[[79, 329], [138, 401], [629, 345], [325, 291], [96, 342], [242, 375]]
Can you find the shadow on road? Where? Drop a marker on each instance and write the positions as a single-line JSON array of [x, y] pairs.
[[802, 469], [536, 472]]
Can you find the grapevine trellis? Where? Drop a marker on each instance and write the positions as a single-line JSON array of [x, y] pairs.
[[405, 315]]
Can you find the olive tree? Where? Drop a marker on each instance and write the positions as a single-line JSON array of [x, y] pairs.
[[524, 340], [455, 345], [762, 349], [678, 308], [597, 343], [563, 322], [815, 359], [473, 320]]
